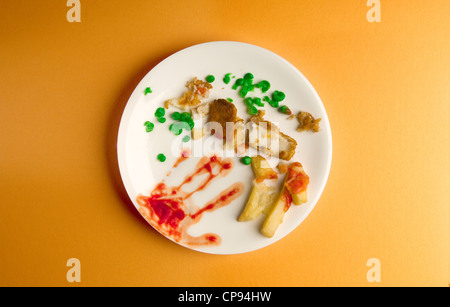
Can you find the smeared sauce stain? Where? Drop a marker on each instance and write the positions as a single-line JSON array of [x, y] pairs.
[[167, 208]]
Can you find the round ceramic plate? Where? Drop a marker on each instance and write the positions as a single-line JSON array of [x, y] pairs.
[[138, 149]]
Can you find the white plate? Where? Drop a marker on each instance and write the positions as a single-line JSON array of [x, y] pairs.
[[137, 149]]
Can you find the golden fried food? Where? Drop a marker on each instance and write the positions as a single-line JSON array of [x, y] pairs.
[[267, 137], [296, 183], [259, 201], [292, 190], [196, 91], [262, 169], [307, 122], [222, 111], [260, 198], [276, 214]]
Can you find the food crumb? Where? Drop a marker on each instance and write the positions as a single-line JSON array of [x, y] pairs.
[[196, 91], [307, 122]]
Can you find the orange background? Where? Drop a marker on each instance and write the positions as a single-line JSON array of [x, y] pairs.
[[63, 87]]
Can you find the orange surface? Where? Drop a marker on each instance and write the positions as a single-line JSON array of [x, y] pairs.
[[385, 86]]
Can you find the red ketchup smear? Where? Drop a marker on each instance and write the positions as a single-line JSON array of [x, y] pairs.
[[288, 199], [166, 207], [185, 154], [296, 181]]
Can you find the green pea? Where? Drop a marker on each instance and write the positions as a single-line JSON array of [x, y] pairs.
[[248, 76], [160, 112], [250, 87], [264, 85], [176, 129], [285, 110], [161, 157], [258, 102], [210, 79], [190, 124], [149, 126], [252, 110], [243, 92], [246, 160], [278, 96], [239, 81], [185, 116], [227, 78], [176, 115], [248, 102], [274, 103]]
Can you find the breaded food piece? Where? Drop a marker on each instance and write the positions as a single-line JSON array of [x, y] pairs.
[[197, 133], [287, 147], [307, 122], [201, 110], [222, 111], [196, 91], [267, 137]]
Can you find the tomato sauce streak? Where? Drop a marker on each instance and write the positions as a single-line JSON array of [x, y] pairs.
[[184, 156], [221, 200], [166, 207], [297, 181], [288, 199]]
